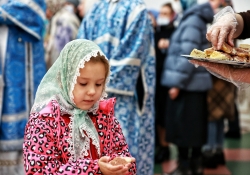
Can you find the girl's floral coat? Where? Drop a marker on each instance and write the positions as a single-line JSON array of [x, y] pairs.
[[45, 147]]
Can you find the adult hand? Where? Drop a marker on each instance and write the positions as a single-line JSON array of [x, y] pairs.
[[163, 43], [109, 169], [223, 29], [238, 76], [173, 93]]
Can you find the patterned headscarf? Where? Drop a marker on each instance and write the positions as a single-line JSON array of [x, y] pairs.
[[58, 84]]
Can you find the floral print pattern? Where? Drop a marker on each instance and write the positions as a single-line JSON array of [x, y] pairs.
[[46, 148]]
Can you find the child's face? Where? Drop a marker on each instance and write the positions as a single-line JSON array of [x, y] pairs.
[[90, 85]]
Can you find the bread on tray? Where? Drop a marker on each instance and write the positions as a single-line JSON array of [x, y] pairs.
[[245, 46], [220, 55], [227, 53], [209, 51], [198, 53]]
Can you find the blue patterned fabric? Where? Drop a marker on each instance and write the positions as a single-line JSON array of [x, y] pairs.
[[23, 69], [123, 31]]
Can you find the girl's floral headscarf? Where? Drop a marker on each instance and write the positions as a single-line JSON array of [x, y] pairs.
[[58, 84]]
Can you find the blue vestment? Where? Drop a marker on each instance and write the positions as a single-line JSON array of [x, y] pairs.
[[123, 30], [22, 67]]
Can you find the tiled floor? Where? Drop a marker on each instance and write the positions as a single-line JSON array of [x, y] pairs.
[[237, 151], [237, 154]]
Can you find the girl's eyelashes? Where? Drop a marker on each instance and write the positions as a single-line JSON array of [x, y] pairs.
[[84, 84]]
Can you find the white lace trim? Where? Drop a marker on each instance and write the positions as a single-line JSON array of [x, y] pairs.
[[70, 140], [64, 106], [86, 144], [95, 141], [84, 127], [77, 73]]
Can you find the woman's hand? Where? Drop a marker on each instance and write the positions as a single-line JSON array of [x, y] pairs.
[[238, 76], [163, 43], [173, 93], [108, 169], [223, 29]]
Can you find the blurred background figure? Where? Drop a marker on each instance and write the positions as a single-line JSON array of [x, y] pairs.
[[123, 30], [85, 6], [63, 27], [186, 4], [176, 4], [221, 105], [163, 31], [186, 111], [22, 67], [152, 16], [234, 130], [52, 6], [81, 8]]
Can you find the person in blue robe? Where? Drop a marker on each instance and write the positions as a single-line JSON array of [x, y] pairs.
[[22, 67], [123, 30]]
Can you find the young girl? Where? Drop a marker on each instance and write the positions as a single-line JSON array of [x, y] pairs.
[[72, 129]]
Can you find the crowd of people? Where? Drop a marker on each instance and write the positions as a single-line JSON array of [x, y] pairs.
[[100, 87]]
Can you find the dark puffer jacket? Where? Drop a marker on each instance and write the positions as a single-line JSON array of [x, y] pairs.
[[190, 34]]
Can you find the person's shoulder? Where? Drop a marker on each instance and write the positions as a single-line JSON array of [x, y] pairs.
[[48, 110], [47, 118], [200, 13], [107, 105], [193, 21]]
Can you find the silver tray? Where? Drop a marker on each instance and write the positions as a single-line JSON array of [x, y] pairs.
[[234, 63]]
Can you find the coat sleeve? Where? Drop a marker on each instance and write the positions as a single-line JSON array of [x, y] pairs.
[[191, 38], [45, 154], [120, 146], [27, 15], [246, 18], [112, 140]]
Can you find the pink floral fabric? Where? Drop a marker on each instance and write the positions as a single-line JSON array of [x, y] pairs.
[[45, 148]]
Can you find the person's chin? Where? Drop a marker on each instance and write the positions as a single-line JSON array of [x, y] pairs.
[[86, 107]]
